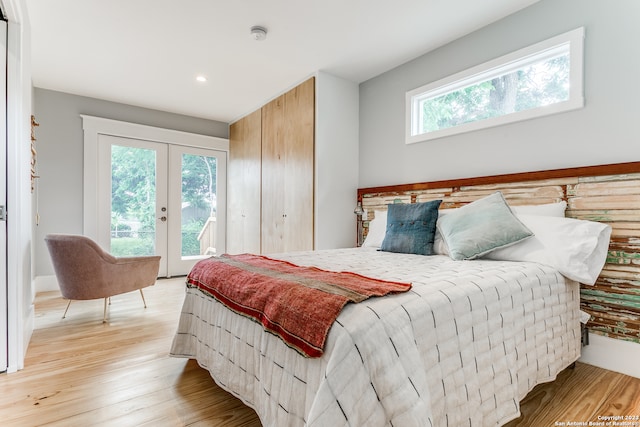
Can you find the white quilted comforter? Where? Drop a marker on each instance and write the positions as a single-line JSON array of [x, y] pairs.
[[462, 348]]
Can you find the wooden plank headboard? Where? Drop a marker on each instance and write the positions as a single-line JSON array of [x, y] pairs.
[[607, 193]]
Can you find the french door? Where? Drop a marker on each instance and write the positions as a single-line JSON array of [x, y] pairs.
[[163, 199]]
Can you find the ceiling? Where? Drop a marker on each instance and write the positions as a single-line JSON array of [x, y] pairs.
[[148, 52]]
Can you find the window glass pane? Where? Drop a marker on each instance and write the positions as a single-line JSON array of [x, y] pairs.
[[536, 85], [198, 216], [133, 201]]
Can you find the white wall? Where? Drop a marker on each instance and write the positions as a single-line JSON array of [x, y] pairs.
[[60, 158], [605, 131], [336, 162]]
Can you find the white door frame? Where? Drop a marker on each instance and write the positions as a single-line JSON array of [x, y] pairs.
[[4, 326], [95, 126], [19, 252]]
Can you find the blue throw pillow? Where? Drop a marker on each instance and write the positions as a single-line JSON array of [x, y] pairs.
[[411, 228]]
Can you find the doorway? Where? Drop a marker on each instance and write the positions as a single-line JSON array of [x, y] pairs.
[[161, 199], [156, 197]]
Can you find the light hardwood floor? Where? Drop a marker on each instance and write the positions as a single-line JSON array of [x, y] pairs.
[[81, 372]]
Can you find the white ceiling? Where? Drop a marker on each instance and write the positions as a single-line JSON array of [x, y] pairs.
[[148, 52]]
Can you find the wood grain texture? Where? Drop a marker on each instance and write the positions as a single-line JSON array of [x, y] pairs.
[[244, 184], [273, 164], [606, 193], [584, 171], [580, 395], [81, 372], [288, 135], [299, 166]]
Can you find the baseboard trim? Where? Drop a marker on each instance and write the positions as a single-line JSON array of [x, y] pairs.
[[612, 354], [45, 284], [27, 330]]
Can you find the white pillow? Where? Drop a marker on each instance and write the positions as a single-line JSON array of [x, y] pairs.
[[547, 209], [577, 248], [439, 246], [377, 230]]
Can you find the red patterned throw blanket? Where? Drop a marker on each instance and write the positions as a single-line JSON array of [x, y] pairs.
[[298, 304]]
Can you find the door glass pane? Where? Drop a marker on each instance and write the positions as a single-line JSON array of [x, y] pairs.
[[133, 201], [198, 207]]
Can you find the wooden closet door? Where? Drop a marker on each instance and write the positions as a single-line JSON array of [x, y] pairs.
[[244, 184], [273, 185], [287, 170], [299, 104]]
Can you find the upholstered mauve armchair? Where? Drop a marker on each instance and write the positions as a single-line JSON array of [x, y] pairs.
[[85, 271]]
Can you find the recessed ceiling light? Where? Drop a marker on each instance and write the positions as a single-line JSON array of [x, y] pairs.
[[201, 78]]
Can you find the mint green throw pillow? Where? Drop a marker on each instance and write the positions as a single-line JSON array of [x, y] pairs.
[[480, 227]]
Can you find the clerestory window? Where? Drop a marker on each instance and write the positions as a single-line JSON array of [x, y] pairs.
[[542, 79]]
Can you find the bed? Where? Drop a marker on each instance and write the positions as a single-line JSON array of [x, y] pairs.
[[463, 346]]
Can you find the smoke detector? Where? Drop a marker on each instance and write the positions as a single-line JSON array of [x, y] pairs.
[[258, 33]]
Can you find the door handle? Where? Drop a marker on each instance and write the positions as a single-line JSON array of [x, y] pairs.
[[163, 218]]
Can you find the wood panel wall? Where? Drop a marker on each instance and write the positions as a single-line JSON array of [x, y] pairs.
[[607, 193], [244, 175], [288, 138]]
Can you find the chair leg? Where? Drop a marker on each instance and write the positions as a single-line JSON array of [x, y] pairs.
[[143, 300], [104, 313], [66, 309]]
